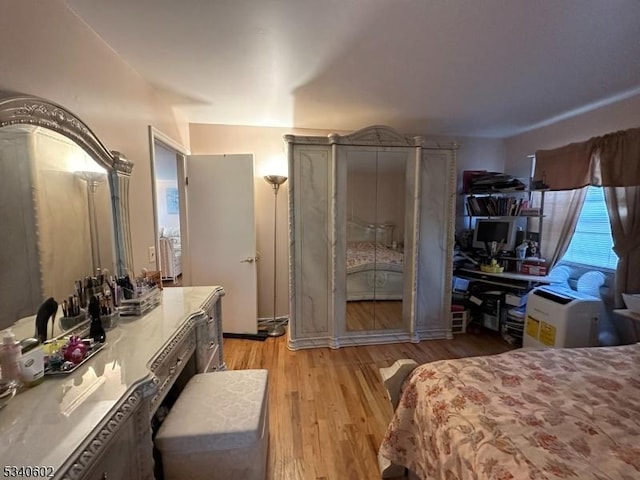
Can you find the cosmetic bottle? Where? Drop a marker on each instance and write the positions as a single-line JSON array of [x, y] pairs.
[[10, 356]]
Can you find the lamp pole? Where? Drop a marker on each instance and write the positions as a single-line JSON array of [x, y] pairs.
[[275, 181]]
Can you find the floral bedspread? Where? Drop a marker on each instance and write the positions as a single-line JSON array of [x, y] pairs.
[[365, 253], [525, 414]]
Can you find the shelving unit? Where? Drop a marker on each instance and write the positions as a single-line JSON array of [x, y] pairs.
[[486, 208], [516, 206]]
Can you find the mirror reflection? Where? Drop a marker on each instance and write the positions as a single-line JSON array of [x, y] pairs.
[[375, 238], [56, 215]]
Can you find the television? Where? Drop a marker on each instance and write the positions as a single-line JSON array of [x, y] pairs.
[[502, 231]]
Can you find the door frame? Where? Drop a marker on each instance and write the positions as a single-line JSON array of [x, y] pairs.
[[158, 137]]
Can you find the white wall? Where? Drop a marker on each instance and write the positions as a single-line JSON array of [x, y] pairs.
[[48, 52]]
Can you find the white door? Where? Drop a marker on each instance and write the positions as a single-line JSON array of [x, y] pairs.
[[222, 234]]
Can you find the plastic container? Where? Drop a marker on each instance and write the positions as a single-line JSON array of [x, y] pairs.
[[31, 366], [110, 321], [10, 353]]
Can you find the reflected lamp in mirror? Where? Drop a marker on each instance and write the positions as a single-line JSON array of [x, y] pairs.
[[93, 178]]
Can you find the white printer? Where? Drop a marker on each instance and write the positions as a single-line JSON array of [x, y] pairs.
[[560, 317]]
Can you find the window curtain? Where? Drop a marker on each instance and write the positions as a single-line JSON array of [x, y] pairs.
[[611, 161], [561, 212], [623, 205]]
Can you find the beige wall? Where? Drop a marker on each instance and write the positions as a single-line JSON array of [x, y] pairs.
[[48, 52], [264, 143], [617, 116]]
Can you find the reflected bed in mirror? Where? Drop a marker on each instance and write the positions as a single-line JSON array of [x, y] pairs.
[[375, 280], [60, 222], [375, 263]]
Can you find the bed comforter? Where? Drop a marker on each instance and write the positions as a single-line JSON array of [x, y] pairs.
[[367, 254], [526, 414]]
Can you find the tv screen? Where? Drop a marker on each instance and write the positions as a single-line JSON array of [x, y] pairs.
[[500, 231]]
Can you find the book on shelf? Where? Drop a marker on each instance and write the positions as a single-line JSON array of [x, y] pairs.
[[496, 206]]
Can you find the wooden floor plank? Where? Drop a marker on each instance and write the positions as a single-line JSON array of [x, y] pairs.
[[328, 409]]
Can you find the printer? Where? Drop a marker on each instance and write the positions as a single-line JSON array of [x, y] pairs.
[[560, 317]]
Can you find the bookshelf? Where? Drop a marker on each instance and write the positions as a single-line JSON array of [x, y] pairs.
[[500, 205], [512, 204]]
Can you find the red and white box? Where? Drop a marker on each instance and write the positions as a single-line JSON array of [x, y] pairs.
[[534, 268]]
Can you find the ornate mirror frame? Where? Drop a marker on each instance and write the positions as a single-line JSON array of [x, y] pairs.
[[16, 108]]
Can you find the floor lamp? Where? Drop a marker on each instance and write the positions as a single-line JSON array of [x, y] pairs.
[[93, 179], [275, 181]]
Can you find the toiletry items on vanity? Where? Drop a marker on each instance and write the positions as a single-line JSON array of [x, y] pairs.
[[9, 357], [31, 362]]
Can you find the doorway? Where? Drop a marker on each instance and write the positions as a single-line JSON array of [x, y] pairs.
[[167, 169]]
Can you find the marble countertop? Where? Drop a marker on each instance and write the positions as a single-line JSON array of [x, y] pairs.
[[43, 425]]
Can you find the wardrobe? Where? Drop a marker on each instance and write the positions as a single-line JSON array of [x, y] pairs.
[[371, 232]]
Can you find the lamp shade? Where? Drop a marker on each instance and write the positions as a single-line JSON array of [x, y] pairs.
[[275, 179]]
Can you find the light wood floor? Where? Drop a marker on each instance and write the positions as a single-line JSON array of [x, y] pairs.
[[328, 409], [372, 315]]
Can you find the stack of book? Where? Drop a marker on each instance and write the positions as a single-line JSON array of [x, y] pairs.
[[496, 206]]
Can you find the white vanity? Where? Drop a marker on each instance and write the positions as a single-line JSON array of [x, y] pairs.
[[95, 423]]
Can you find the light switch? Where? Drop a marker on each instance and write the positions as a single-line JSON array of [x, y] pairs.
[[152, 254]]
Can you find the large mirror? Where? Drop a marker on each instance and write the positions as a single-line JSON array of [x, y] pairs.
[[63, 205], [375, 213]]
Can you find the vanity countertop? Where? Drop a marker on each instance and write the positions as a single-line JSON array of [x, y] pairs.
[[43, 425]]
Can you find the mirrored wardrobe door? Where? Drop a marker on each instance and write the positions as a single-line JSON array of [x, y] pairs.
[[391, 167], [375, 237], [361, 236]]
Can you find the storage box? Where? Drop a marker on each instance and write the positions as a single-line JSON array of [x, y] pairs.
[[110, 321], [67, 323], [142, 304], [459, 321], [533, 269], [515, 300], [218, 429]]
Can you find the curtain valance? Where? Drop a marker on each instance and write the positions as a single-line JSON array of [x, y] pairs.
[[612, 160]]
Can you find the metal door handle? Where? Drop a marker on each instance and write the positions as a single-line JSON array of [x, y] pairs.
[[250, 259]]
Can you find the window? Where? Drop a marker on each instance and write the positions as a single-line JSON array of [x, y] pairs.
[[592, 243]]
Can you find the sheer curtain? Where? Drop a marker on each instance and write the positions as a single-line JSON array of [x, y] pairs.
[[561, 212]]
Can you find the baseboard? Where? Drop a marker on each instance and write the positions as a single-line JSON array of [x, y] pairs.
[[261, 336]]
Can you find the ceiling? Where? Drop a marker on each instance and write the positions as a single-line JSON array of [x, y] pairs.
[[490, 68]]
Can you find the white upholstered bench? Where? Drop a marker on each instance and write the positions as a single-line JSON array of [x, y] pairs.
[[218, 428]]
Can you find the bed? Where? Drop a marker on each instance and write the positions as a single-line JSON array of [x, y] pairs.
[[525, 414], [375, 264], [170, 253]]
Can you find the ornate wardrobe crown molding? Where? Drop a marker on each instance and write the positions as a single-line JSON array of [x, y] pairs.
[[373, 136]]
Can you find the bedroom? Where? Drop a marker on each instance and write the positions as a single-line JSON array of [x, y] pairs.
[[71, 65]]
